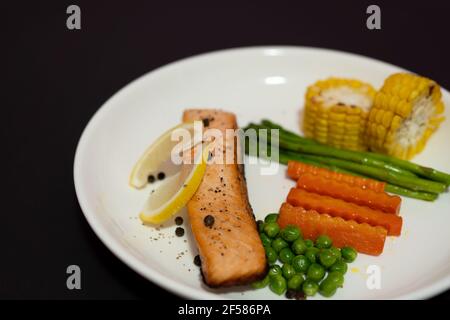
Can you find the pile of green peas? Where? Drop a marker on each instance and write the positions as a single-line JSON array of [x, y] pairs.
[[306, 266]]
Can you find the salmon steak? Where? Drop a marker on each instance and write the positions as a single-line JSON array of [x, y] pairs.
[[220, 214]]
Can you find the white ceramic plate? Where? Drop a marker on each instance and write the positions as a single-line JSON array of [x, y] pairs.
[[255, 83]]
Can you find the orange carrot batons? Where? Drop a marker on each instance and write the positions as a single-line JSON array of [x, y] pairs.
[[363, 237], [296, 169], [340, 190], [345, 210]]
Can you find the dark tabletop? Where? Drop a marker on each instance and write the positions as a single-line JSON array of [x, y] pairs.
[[57, 78]]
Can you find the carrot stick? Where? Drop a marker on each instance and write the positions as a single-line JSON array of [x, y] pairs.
[[296, 169], [340, 190], [345, 210], [363, 237]]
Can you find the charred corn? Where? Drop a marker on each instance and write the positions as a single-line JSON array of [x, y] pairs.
[[406, 111], [336, 112]]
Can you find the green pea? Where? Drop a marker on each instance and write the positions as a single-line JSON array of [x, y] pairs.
[[290, 233], [275, 270], [266, 241], [295, 282], [301, 263], [278, 284], [271, 255], [309, 243], [299, 246], [261, 283], [260, 225], [286, 255], [349, 254], [271, 217], [279, 244], [288, 271], [323, 242], [339, 266], [312, 254], [335, 277], [327, 258], [315, 272], [310, 287], [327, 288], [271, 229], [336, 252]]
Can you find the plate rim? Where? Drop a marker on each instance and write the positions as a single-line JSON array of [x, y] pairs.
[[133, 262]]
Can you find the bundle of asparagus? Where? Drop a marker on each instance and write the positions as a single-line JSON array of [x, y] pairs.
[[401, 176]]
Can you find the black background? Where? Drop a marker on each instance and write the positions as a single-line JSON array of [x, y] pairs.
[[56, 79]]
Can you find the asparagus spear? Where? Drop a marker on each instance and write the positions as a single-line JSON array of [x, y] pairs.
[[289, 135], [410, 193], [422, 171], [392, 188], [283, 134], [323, 150], [284, 157], [413, 183]]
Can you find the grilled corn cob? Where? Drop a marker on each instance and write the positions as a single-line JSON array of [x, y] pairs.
[[336, 112], [406, 111]]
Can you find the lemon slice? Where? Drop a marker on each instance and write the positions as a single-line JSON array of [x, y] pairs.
[[160, 151], [174, 193]]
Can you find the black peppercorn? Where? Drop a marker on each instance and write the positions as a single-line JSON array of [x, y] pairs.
[[161, 175], [260, 225], [179, 232], [299, 295], [197, 261], [178, 221], [151, 178], [208, 221], [290, 294]]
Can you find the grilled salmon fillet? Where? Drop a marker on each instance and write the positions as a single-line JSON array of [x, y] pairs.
[[221, 217]]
